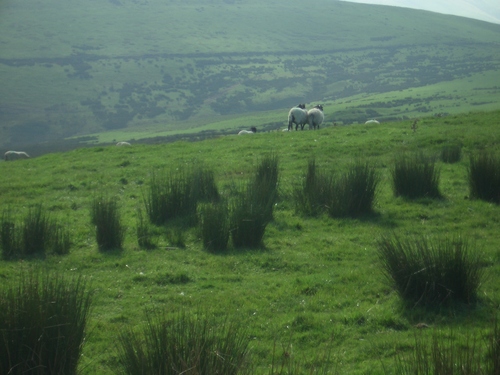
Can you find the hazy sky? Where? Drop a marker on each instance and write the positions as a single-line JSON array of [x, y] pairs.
[[485, 10]]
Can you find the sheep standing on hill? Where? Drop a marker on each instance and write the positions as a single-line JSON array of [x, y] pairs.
[[315, 116], [297, 116], [14, 155], [252, 130]]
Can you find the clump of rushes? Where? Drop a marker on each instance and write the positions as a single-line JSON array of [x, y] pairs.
[[415, 176], [37, 234], [484, 177], [184, 345], [425, 272], [311, 197], [252, 211], [451, 154], [43, 321], [105, 216], [214, 224], [145, 236], [353, 193]]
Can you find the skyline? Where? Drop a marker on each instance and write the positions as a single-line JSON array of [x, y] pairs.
[[483, 10]]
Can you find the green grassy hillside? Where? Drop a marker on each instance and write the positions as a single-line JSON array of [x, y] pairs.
[[316, 287], [169, 67]]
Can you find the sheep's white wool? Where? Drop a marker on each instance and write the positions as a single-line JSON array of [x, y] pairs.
[[315, 116], [297, 116], [372, 122], [245, 132], [14, 155], [123, 144]]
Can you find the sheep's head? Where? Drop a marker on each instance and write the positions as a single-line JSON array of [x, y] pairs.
[[253, 129], [319, 106], [303, 106]]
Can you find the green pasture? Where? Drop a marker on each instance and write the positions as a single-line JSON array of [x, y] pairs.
[[315, 292]]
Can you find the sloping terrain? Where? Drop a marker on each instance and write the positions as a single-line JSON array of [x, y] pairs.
[[81, 68]]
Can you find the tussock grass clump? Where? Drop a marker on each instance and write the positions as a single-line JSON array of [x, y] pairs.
[[145, 236], [10, 238], [312, 196], [493, 354], [36, 234], [445, 354], [431, 272], [205, 188], [42, 324], [176, 194], [353, 193], [348, 195], [36, 231], [249, 219], [184, 345], [105, 216], [170, 196], [61, 240], [451, 154], [484, 177], [214, 224], [441, 355], [252, 210], [264, 186], [415, 176]]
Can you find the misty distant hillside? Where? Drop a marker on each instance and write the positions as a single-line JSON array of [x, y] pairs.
[[85, 67]]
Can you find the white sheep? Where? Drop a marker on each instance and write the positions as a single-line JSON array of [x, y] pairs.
[[372, 122], [252, 130], [297, 116], [123, 144], [315, 116], [14, 155]]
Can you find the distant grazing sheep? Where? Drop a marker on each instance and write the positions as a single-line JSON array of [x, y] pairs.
[[372, 122], [297, 116], [14, 155], [315, 116], [123, 144], [252, 130]]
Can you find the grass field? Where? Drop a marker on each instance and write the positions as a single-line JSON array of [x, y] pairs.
[[315, 290]]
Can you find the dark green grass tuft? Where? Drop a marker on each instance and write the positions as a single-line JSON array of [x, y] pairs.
[[146, 239], [451, 154], [348, 195], [264, 187], [204, 186], [249, 219], [311, 197], [252, 210], [432, 272], [37, 234], [441, 353], [42, 324], [10, 239], [183, 345], [484, 177], [415, 176], [61, 240], [36, 231], [214, 225], [353, 194], [493, 354], [170, 196], [176, 194], [105, 216]]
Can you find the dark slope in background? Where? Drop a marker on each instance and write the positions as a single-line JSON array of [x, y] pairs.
[[82, 67]]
